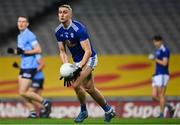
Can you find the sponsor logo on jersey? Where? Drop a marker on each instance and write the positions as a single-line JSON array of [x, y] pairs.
[[69, 43]]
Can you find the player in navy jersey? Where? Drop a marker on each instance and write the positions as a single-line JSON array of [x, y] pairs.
[[161, 75], [27, 48], [74, 35]]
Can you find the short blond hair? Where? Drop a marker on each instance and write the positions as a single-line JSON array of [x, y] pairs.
[[66, 6]]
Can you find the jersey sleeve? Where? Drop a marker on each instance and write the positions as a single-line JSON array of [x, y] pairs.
[[32, 39], [82, 34], [166, 53], [38, 56]]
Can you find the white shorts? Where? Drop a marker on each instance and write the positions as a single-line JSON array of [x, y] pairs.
[[160, 80], [92, 62]]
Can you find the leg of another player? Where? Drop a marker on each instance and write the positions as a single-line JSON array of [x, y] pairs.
[[23, 91], [45, 109], [155, 95], [31, 107], [23, 87], [37, 91], [162, 100]]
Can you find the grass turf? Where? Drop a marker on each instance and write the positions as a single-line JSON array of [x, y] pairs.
[[89, 121]]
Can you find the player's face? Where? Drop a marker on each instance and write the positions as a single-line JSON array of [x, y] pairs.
[[64, 14], [22, 23], [157, 44]]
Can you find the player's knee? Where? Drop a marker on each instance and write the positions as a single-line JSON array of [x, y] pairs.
[[161, 96], [76, 88], [89, 90], [22, 93], [89, 77], [155, 97]]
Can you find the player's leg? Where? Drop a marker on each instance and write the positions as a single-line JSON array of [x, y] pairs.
[[34, 104], [155, 84], [30, 106], [24, 83], [162, 100], [32, 109], [86, 78], [87, 81], [23, 88], [159, 89], [162, 92], [37, 87], [81, 95], [88, 85], [155, 95], [38, 91], [98, 97]]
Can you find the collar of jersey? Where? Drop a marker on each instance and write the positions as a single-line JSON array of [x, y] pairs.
[[162, 47], [68, 26], [24, 31]]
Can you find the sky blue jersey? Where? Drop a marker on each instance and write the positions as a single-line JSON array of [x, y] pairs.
[[26, 40], [39, 74], [72, 36], [162, 52]]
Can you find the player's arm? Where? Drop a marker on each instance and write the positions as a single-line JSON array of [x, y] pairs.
[[163, 62], [64, 59], [36, 50], [87, 49], [62, 54], [41, 64]]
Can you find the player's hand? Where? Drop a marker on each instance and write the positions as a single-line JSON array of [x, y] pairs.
[[20, 51], [76, 73], [67, 81], [15, 65], [11, 51], [151, 56]]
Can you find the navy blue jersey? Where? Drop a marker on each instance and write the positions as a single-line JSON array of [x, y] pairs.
[[162, 52], [72, 36]]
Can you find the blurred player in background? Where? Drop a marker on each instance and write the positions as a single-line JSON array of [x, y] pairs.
[[161, 75], [36, 85], [27, 48], [74, 35]]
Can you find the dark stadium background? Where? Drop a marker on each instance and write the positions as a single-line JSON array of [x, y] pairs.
[[116, 27]]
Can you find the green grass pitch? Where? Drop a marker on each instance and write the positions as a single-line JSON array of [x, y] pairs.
[[89, 121]]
